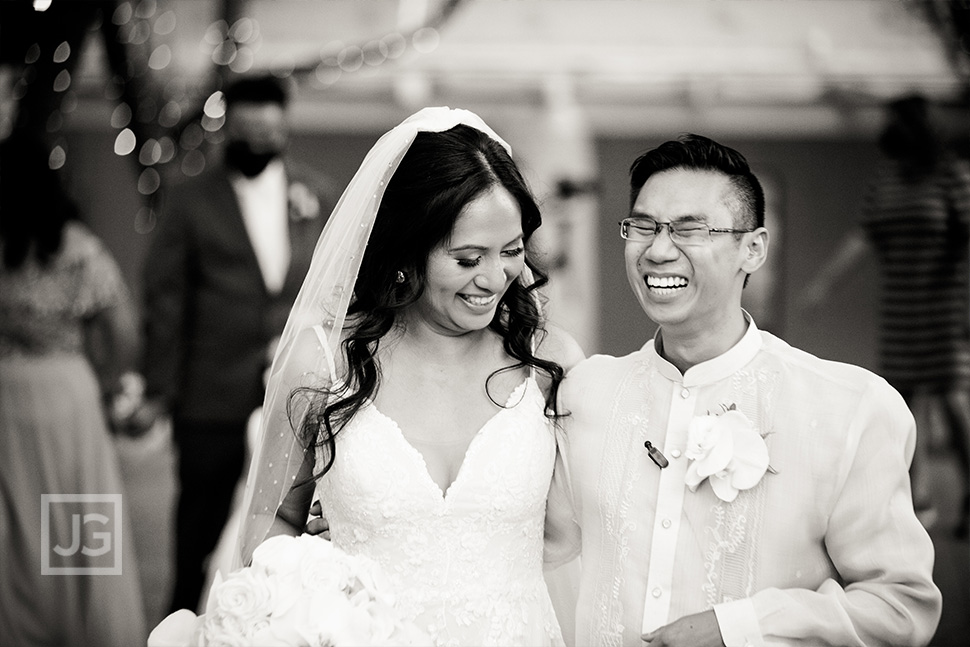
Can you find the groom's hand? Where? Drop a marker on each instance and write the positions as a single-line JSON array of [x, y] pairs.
[[698, 630], [318, 526]]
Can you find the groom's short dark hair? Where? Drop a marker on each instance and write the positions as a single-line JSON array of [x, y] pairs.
[[697, 152]]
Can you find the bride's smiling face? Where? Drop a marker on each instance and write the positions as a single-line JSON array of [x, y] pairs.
[[469, 272]]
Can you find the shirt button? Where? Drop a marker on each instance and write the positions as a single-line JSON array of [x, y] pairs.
[[657, 592], [685, 393], [665, 523], [675, 453]]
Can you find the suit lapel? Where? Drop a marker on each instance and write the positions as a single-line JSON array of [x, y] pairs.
[[234, 232]]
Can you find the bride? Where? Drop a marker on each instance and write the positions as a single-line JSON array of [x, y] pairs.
[[420, 378]]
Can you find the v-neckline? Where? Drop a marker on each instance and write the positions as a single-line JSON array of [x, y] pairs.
[[444, 496]]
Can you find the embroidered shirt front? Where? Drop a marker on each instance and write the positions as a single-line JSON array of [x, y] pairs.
[[653, 551]]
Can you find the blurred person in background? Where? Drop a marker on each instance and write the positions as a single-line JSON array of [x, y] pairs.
[[916, 217], [65, 317], [222, 271]]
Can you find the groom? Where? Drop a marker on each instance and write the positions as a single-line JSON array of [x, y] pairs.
[[730, 489]]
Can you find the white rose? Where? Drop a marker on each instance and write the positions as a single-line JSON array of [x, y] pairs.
[[357, 625], [325, 625], [279, 634], [383, 620], [278, 554], [333, 574], [227, 631], [407, 633], [372, 578], [241, 604], [178, 629]]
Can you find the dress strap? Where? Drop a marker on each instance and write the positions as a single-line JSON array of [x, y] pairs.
[[538, 302], [322, 337], [532, 369]]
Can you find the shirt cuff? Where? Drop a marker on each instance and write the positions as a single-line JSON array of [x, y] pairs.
[[738, 624]]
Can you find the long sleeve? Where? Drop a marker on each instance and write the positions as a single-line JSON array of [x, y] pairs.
[[825, 550], [884, 557]]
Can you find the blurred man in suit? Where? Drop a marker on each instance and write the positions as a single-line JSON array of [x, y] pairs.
[[223, 269]]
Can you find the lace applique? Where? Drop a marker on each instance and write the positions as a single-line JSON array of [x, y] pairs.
[[618, 481], [732, 554], [467, 565]]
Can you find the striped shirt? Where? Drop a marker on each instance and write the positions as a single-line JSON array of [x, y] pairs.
[[919, 230]]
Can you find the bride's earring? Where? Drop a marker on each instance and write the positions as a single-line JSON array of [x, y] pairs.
[[401, 278]]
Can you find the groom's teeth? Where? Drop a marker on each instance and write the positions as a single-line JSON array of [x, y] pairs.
[[666, 282]]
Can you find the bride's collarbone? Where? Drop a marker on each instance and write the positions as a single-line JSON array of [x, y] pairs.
[[460, 381], [461, 388], [443, 396], [446, 411]]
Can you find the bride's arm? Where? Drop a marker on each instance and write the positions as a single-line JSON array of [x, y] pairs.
[[304, 364], [561, 530], [291, 517]]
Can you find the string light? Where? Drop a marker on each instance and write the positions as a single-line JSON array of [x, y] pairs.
[[151, 112]]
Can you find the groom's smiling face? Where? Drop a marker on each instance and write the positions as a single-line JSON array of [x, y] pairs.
[[687, 287]]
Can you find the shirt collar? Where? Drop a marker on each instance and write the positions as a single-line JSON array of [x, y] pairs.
[[715, 369]]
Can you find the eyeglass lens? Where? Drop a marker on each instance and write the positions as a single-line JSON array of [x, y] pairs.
[[648, 230]]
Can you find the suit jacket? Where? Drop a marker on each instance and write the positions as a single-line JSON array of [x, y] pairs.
[[208, 315]]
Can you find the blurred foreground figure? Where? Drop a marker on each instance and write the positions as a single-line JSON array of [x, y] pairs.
[[67, 568]]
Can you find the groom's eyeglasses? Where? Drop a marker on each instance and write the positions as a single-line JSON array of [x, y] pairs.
[[683, 233]]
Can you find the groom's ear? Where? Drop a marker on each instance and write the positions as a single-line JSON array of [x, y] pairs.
[[755, 250]]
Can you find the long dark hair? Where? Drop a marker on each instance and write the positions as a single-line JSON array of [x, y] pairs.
[[33, 204], [439, 175]]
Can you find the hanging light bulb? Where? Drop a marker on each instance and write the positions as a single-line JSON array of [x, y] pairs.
[[42, 5]]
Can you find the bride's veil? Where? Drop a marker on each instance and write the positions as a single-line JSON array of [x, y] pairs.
[[309, 342]]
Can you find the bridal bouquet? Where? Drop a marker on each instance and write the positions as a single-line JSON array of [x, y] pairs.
[[299, 591]]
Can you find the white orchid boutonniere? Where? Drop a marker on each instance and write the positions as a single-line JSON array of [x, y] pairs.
[[304, 204], [726, 449]]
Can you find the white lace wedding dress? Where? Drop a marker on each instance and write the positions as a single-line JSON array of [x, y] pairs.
[[466, 564]]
